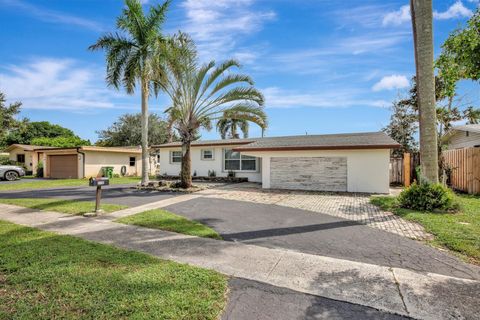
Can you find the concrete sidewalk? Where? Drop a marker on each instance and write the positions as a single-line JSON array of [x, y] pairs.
[[396, 290]]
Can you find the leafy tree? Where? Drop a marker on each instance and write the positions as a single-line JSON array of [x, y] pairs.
[[403, 127], [422, 23], [8, 121], [61, 142], [229, 124], [132, 55], [460, 57], [201, 94], [41, 129], [126, 131]]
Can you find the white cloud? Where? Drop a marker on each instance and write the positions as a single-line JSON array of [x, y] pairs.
[[394, 81], [456, 10], [52, 16], [217, 26], [340, 98], [56, 84], [398, 17], [401, 16]]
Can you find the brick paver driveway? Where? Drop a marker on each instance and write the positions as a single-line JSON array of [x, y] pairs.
[[350, 206]]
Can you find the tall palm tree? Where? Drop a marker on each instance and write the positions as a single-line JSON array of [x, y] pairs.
[[231, 122], [201, 94], [422, 16], [472, 115], [131, 56]]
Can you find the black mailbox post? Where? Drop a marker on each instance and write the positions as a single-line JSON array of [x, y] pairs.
[[98, 182]]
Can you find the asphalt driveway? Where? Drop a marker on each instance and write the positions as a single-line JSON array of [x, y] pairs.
[[321, 234], [114, 194]]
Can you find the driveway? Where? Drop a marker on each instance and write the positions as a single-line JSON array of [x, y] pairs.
[[276, 226], [114, 194]]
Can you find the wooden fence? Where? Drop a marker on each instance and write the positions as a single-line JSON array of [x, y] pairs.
[[402, 169], [466, 169]]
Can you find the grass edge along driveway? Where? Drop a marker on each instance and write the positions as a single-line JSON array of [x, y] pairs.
[[166, 220], [46, 275], [58, 183], [459, 232], [61, 205]]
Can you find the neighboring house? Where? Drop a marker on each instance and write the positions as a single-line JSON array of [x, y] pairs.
[[88, 161], [25, 154], [466, 136], [356, 162]]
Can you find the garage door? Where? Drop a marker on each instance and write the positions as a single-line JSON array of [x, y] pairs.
[[309, 173], [63, 166]]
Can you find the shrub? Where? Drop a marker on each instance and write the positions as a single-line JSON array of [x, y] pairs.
[[40, 170], [428, 197]]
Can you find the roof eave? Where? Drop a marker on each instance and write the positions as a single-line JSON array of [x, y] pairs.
[[203, 144], [297, 148]]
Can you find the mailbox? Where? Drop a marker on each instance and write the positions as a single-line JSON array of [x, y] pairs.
[[98, 182]]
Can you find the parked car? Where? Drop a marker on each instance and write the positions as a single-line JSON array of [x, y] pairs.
[[11, 173]]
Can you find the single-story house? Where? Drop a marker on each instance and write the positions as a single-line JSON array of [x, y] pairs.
[[25, 154], [88, 161], [466, 136], [354, 162]]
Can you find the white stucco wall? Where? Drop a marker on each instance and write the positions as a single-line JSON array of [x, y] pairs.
[[202, 166], [367, 170]]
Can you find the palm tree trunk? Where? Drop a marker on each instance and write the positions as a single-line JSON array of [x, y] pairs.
[[423, 42], [145, 153], [185, 174]]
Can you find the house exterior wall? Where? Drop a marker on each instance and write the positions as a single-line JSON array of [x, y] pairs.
[[95, 160], [29, 157], [460, 140], [201, 167], [367, 170]]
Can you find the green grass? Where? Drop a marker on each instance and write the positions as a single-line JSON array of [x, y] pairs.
[[165, 220], [56, 183], [44, 275], [61, 205], [459, 231]]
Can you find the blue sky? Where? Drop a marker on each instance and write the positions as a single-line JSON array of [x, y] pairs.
[[325, 66]]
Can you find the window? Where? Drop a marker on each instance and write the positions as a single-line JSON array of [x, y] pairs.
[[175, 156], [21, 158], [238, 162], [207, 154], [132, 161], [467, 133]]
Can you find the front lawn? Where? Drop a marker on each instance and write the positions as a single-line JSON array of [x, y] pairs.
[[61, 205], [44, 275], [459, 232], [58, 183], [165, 220]]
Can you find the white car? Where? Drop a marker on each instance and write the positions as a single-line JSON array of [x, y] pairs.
[[11, 173]]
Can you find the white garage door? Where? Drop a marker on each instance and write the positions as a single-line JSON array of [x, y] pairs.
[[309, 173]]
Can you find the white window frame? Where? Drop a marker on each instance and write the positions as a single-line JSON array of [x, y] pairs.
[[226, 170], [130, 161], [171, 157], [202, 154]]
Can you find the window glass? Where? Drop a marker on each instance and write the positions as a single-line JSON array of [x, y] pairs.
[[176, 156], [132, 161], [21, 158], [236, 161], [207, 154]]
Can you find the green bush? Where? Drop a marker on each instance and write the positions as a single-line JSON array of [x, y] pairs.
[[40, 170], [428, 197]]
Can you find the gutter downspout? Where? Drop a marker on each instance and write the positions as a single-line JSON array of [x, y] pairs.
[[83, 160]]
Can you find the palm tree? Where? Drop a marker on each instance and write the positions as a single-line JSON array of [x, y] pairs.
[[422, 16], [201, 94], [231, 122], [131, 56], [472, 115]]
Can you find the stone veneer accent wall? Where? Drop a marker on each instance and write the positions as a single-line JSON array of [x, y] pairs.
[[309, 173]]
